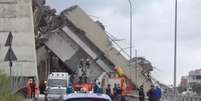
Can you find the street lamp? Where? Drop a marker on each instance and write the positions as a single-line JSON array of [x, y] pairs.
[[175, 50], [131, 39], [131, 30]]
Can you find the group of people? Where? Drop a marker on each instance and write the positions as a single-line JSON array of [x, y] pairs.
[[32, 88], [116, 95], [154, 94]]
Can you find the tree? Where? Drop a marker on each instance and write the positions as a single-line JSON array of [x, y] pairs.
[[5, 89], [181, 89], [196, 87]]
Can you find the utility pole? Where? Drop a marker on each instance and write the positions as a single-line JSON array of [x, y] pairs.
[[136, 64], [131, 29], [175, 52]]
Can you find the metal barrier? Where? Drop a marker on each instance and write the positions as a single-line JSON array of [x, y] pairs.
[[181, 98]]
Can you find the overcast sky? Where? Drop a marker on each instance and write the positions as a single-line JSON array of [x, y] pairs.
[[153, 30]]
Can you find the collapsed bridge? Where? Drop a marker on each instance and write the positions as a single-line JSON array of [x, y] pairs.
[[45, 42]]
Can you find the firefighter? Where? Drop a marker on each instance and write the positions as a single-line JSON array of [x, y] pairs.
[[32, 85], [28, 86]]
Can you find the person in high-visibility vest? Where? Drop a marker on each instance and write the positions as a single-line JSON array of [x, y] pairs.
[[36, 89], [29, 87], [32, 88], [123, 87]]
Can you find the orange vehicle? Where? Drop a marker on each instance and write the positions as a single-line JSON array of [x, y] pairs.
[[120, 79], [86, 86]]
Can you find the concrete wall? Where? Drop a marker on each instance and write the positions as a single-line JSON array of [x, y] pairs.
[[16, 17]]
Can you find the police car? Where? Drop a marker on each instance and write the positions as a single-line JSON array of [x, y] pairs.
[[85, 97]]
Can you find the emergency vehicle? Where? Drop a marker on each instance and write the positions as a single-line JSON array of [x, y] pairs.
[[56, 85], [54, 93], [85, 97], [58, 79]]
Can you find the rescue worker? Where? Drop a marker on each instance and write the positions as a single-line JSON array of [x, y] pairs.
[[119, 90], [43, 87], [117, 96], [100, 89], [124, 87], [32, 88], [158, 93], [108, 90], [141, 93], [95, 89], [151, 94], [115, 89], [69, 89], [28, 86], [32, 85]]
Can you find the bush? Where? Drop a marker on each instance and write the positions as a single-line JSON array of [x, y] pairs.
[[196, 88], [5, 89]]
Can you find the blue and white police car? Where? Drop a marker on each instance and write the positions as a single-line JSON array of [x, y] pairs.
[[85, 97]]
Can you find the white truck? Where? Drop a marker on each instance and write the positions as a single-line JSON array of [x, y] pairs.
[[58, 79], [56, 85]]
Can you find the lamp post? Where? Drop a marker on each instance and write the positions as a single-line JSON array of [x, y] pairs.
[[175, 51], [131, 30]]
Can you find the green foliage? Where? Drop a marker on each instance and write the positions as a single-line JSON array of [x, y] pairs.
[[5, 89], [181, 89], [196, 88]]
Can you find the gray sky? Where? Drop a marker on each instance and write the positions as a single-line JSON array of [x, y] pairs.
[[153, 30]]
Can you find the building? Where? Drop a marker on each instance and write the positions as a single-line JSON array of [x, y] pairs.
[[184, 82], [195, 76]]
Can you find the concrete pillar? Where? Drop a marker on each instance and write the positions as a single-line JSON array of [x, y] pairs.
[[16, 16]]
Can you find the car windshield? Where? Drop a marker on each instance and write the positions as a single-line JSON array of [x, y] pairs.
[[56, 91], [57, 82], [87, 99]]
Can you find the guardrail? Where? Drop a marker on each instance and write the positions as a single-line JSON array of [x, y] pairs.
[[167, 98], [181, 98]]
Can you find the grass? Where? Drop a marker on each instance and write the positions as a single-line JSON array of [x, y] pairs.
[[5, 89]]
